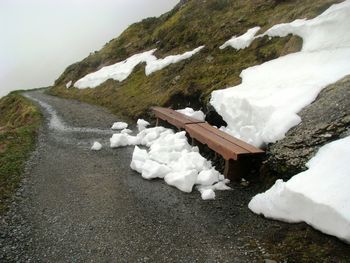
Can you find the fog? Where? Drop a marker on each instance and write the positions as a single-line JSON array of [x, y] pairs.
[[40, 38]]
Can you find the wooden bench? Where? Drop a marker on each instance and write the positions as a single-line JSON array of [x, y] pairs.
[[175, 118], [236, 153]]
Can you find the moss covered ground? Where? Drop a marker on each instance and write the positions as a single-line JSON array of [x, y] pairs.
[[19, 122]]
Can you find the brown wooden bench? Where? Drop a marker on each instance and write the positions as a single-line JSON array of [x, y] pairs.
[[175, 118], [236, 153]]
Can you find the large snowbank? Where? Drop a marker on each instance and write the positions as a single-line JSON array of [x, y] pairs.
[[199, 115], [319, 196], [265, 105], [242, 41], [121, 70], [172, 158]]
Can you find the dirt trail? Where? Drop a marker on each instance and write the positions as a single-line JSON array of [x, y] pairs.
[[76, 205]]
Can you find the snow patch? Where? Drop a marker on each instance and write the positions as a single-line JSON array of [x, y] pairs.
[[154, 64], [121, 70], [96, 146], [69, 84], [319, 196], [265, 105], [242, 41]]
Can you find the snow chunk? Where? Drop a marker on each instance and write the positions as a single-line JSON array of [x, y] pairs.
[[154, 64], [96, 146], [142, 124], [126, 131], [199, 115], [184, 181], [208, 177], [207, 194], [319, 196], [242, 41], [119, 126], [69, 84], [121, 70], [139, 157], [152, 169], [265, 105], [123, 139]]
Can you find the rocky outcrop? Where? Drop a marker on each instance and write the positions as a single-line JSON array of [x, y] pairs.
[[325, 120]]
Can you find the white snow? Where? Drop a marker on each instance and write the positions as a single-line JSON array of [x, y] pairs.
[[121, 70], [319, 196], [199, 115], [265, 105], [127, 131], [123, 139], [207, 194], [96, 146], [142, 124], [119, 125], [69, 84], [154, 64], [242, 41]]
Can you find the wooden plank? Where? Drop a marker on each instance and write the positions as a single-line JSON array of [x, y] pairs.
[[225, 148], [232, 139], [173, 117]]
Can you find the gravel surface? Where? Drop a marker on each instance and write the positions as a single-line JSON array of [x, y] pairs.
[[77, 205]]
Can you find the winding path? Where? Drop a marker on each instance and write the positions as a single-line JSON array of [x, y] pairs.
[[76, 205]]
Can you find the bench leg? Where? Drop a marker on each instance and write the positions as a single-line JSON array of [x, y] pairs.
[[157, 122], [234, 170]]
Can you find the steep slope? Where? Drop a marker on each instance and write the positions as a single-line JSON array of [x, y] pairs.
[[190, 24]]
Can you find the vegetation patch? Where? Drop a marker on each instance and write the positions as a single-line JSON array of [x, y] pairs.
[[19, 123]]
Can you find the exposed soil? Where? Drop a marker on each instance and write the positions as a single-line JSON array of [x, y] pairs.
[[76, 205]]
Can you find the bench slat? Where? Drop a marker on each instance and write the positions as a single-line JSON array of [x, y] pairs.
[[225, 148], [232, 139]]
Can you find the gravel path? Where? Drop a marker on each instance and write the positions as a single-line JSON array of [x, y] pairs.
[[76, 205]]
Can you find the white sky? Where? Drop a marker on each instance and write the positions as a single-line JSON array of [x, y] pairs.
[[40, 38]]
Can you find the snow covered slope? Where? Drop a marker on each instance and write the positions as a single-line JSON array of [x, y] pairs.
[[265, 105], [319, 196], [121, 70]]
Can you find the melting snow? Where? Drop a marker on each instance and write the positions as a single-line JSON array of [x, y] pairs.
[[242, 41], [265, 105], [121, 70], [319, 196]]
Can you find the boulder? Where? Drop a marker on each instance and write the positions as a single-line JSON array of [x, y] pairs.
[[325, 120]]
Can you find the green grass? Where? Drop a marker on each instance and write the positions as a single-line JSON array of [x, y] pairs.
[[19, 123]]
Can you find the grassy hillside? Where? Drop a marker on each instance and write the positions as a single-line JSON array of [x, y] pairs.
[[190, 24], [19, 122]]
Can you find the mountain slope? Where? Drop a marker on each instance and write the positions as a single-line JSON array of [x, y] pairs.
[[190, 24]]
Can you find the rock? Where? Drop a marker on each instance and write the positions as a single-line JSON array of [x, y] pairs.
[[213, 118], [325, 120]]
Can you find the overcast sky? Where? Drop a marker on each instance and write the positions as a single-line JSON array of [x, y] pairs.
[[40, 38]]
